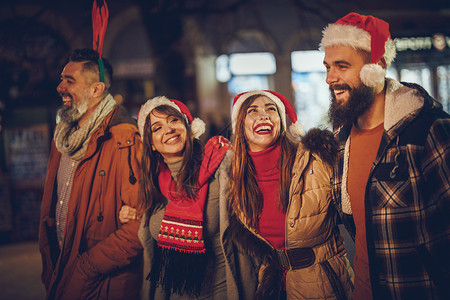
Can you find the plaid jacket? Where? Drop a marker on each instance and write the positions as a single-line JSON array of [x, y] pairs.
[[407, 197]]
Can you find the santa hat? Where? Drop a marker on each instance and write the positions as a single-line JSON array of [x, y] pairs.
[[283, 105], [365, 33], [197, 125]]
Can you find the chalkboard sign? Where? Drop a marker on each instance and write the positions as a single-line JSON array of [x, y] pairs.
[[27, 151]]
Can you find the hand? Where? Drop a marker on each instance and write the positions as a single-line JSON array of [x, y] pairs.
[[126, 214]]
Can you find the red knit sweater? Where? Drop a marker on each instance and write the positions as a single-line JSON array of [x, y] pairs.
[[271, 223]]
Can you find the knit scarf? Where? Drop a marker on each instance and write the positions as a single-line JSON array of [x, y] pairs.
[[74, 141], [181, 247]]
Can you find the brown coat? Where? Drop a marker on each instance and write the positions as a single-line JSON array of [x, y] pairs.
[[310, 223], [98, 259]]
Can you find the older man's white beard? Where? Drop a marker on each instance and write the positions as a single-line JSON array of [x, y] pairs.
[[71, 115]]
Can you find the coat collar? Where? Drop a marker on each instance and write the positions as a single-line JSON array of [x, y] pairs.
[[400, 102]]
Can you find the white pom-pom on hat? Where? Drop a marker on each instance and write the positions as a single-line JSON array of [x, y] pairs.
[[198, 127], [373, 75], [297, 129]]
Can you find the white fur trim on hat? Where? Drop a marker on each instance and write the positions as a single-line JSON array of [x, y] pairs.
[[150, 105], [237, 106], [346, 35], [352, 36], [197, 128], [373, 75]]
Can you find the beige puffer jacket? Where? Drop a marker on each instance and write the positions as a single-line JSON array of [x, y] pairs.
[[311, 222]]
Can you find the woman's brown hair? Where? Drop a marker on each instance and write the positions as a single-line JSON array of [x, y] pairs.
[[150, 196], [245, 194]]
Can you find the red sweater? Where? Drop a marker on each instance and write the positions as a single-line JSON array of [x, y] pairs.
[[272, 222]]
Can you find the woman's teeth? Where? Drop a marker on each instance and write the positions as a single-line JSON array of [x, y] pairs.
[[263, 128], [172, 139]]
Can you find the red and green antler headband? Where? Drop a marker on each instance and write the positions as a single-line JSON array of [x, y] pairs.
[[100, 16]]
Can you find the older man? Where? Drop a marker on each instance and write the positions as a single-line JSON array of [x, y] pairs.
[[391, 180], [92, 171]]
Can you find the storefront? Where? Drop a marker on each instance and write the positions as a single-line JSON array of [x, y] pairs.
[[426, 61]]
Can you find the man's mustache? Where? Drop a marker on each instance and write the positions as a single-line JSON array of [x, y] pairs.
[[66, 95], [340, 87]]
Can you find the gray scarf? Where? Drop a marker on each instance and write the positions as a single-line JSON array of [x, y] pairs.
[[74, 141]]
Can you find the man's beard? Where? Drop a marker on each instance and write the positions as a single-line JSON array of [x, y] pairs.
[[359, 101], [72, 114]]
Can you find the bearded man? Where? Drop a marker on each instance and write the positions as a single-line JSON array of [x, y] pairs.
[[391, 179], [92, 171]]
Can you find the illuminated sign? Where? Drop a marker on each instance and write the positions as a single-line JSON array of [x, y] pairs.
[[437, 41]]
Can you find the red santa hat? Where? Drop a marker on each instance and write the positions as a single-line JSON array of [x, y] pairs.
[[197, 125], [365, 33], [283, 105]]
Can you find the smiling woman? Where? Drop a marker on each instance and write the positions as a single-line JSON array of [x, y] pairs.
[[183, 196], [280, 201]]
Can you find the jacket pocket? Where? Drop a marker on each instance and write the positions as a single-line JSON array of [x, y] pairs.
[[392, 189], [83, 284]]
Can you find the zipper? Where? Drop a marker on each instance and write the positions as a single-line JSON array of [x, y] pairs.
[[101, 173]]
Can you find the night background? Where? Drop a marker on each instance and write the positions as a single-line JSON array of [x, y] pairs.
[[187, 50]]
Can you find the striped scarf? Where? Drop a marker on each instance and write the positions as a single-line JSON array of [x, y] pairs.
[[180, 268]]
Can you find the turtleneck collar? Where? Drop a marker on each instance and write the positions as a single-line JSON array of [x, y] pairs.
[[266, 162], [174, 167]]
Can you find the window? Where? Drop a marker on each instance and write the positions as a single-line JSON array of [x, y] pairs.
[[312, 97], [246, 71], [443, 74], [417, 74]]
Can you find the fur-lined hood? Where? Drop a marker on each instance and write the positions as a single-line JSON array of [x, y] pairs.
[[402, 99], [322, 143]]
